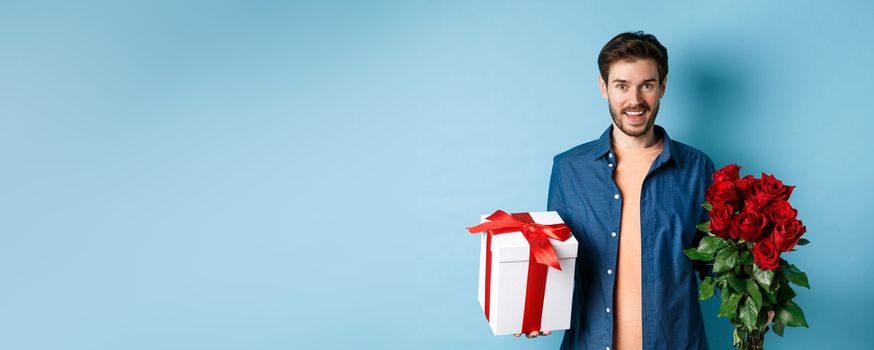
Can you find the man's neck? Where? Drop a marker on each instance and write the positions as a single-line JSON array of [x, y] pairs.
[[634, 142]]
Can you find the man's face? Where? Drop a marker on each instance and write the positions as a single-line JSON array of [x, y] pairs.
[[633, 92]]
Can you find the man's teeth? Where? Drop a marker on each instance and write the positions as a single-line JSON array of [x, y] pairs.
[[634, 114]]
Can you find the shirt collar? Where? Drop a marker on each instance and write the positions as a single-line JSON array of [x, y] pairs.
[[669, 152]]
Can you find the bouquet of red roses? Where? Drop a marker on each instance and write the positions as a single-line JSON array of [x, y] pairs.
[[751, 225]]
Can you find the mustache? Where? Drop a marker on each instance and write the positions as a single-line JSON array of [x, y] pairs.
[[643, 107]]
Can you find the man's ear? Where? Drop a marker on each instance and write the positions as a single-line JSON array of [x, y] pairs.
[[663, 86], [603, 86]]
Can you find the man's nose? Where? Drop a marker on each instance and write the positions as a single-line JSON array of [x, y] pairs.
[[636, 98]]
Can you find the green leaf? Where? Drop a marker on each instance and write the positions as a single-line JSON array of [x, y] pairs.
[[748, 314], [711, 244], [791, 315], [728, 308], [762, 321], [736, 283], [794, 275], [785, 293], [719, 282], [707, 205], [771, 297], [802, 242], [703, 227], [764, 277], [748, 268], [726, 259], [706, 290], [755, 295], [735, 338], [693, 254], [746, 258], [778, 326]]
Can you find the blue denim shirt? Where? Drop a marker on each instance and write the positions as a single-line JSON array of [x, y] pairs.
[[583, 192]]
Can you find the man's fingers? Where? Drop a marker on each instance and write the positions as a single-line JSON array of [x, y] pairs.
[[533, 334]]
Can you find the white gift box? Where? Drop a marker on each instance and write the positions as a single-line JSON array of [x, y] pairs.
[[509, 277]]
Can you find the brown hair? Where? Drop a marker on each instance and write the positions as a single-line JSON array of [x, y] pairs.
[[633, 46]]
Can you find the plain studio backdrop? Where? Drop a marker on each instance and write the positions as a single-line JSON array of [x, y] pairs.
[[298, 175]]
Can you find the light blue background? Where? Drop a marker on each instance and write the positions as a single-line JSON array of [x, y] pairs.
[[280, 175]]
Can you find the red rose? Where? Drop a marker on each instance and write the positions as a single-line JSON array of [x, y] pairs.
[[773, 187], [746, 186], [766, 255], [720, 220], [749, 226], [721, 192], [734, 231], [788, 233], [780, 211], [729, 172], [757, 203]]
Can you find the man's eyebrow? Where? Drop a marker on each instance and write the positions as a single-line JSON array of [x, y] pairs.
[[626, 81]]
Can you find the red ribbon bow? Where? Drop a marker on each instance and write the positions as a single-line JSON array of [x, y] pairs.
[[541, 251], [536, 234]]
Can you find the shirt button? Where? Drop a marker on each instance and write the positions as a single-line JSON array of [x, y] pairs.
[[613, 234], [608, 310], [616, 196], [611, 156], [609, 272], [610, 165], [608, 348]]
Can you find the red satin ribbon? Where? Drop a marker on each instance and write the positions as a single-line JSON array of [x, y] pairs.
[[541, 252]]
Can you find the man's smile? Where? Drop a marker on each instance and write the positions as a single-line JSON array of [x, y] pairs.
[[635, 115]]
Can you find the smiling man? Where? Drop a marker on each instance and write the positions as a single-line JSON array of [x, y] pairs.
[[632, 199]]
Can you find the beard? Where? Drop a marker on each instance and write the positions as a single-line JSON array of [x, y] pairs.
[[627, 129]]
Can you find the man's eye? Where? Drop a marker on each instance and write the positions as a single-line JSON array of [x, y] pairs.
[[621, 86], [647, 86]]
